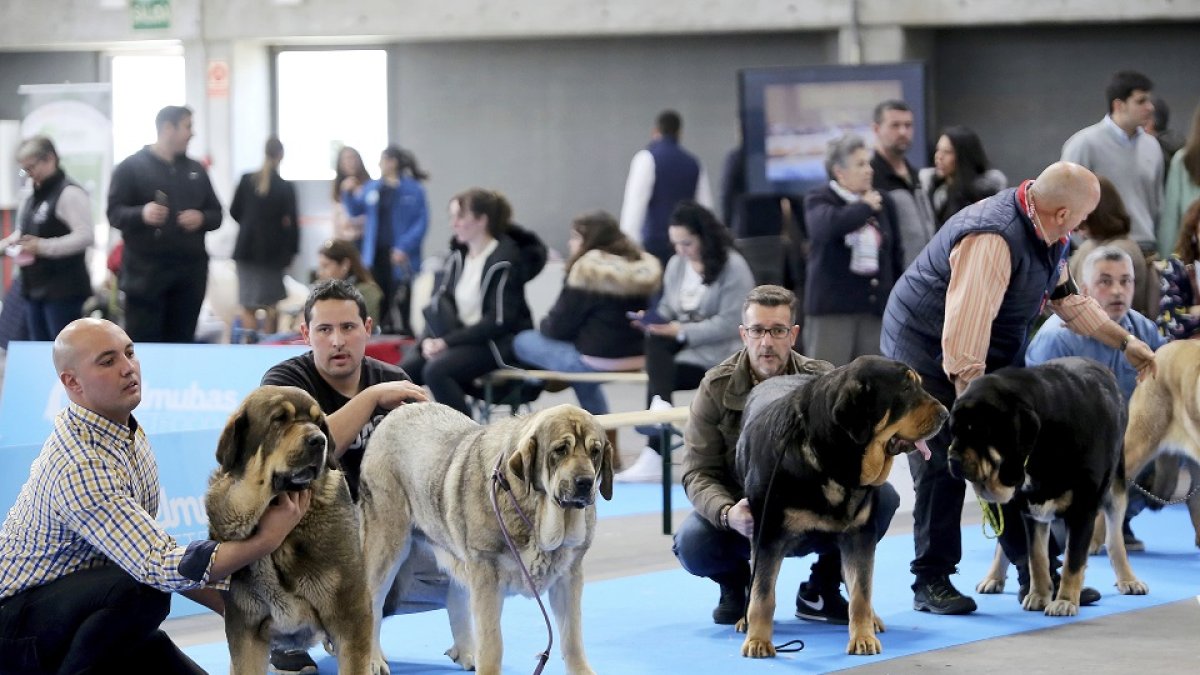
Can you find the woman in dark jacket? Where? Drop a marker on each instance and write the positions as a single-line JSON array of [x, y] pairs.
[[480, 306], [587, 330], [855, 257], [265, 208]]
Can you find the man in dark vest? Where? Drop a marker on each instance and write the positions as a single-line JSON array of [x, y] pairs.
[[54, 231], [660, 176], [964, 308]]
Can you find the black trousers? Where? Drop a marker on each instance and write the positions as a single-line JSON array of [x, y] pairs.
[[165, 306], [94, 621], [937, 513], [666, 375], [449, 374]]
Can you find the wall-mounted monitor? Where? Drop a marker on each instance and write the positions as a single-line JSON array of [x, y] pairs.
[[790, 114]]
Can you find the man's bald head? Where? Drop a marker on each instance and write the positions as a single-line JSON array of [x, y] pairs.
[[1064, 194], [71, 340]]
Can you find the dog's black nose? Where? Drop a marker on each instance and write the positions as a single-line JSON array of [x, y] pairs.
[[583, 484], [315, 441]]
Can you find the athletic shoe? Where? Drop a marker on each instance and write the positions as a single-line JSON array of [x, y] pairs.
[[647, 469], [292, 662], [822, 604], [938, 596]]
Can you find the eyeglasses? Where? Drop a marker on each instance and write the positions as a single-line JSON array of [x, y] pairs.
[[777, 332]]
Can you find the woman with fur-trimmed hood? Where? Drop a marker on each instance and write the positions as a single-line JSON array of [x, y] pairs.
[[588, 330]]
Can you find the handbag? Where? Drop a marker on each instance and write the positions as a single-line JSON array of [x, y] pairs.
[[441, 317]]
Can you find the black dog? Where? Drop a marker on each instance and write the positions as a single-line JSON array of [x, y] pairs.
[[1048, 439], [812, 453]]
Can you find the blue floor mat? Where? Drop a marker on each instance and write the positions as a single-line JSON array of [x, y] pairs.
[[659, 623], [631, 499]]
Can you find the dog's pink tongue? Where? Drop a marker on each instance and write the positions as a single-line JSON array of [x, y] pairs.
[[924, 448]]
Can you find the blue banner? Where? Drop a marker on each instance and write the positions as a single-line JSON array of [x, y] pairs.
[[184, 387]]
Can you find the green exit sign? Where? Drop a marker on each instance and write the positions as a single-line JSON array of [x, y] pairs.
[[150, 14]]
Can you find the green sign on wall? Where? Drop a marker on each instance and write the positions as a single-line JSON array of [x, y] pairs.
[[148, 14]]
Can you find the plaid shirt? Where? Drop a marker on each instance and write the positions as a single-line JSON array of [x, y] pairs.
[[91, 500]]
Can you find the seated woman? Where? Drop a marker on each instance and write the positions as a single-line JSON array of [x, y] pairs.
[[1179, 315], [695, 324], [480, 306], [607, 277], [339, 259], [1108, 225], [960, 175]]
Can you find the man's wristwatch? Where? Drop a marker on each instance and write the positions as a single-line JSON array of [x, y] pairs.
[[1126, 340], [725, 515]]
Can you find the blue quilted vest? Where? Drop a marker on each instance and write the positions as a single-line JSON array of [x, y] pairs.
[[916, 311], [676, 173]]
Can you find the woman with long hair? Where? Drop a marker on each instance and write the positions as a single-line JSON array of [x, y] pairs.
[[397, 217], [960, 175], [350, 174], [607, 276], [1179, 311], [694, 325], [480, 306], [339, 259], [1109, 225], [264, 206], [1183, 188]]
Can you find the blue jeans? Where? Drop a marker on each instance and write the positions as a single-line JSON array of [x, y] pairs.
[[47, 317], [538, 350]]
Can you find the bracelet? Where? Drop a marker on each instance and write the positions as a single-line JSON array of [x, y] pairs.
[[1126, 340], [725, 515]]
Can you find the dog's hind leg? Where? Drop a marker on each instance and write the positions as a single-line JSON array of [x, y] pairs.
[[858, 567], [1037, 537], [458, 607], [1114, 515], [993, 581], [386, 535], [760, 615], [566, 596], [1194, 502]]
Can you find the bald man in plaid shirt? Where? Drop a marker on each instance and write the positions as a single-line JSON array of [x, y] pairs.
[[86, 572]]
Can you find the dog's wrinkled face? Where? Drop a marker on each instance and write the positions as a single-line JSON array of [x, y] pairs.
[[566, 455], [882, 405], [277, 436], [992, 433]]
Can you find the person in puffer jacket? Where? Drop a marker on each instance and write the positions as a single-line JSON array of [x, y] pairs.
[[480, 306], [587, 330]]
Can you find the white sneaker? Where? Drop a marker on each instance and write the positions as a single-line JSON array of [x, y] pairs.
[[647, 469], [656, 404]]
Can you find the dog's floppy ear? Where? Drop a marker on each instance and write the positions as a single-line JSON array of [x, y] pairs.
[[850, 414], [606, 470], [523, 462], [231, 448]]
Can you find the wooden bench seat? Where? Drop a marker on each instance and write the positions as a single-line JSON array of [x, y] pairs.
[[671, 422]]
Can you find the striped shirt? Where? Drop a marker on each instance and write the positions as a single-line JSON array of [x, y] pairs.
[[973, 300], [91, 500]]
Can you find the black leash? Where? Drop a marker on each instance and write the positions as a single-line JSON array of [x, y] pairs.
[[499, 481], [786, 646]]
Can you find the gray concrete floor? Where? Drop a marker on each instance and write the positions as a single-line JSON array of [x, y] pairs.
[[1163, 639]]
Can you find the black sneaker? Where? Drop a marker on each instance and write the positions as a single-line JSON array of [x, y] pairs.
[[292, 662], [732, 606], [1087, 594], [938, 596], [822, 604]]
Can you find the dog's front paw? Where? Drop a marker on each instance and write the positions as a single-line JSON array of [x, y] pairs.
[[878, 623], [379, 666], [864, 645], [1132, 586], [1061, 608], [1035, 602], [740, 626], [463, 657], [990, 585], [756, 648]]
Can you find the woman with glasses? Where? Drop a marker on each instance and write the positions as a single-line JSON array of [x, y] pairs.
[[54, 231], [854, 260], [694, 325]]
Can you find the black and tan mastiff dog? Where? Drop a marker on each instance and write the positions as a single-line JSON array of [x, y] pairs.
[[313, 584], [812, 453], [1048, 439], [429, 469]]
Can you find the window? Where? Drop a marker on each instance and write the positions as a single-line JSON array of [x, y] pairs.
[[142, 84], [327, 99]]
